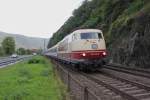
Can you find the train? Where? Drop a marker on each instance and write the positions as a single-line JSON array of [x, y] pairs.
[[83, 49]]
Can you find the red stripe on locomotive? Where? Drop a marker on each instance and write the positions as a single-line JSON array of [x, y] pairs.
[[88, 54]]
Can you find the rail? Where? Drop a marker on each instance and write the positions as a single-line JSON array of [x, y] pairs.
[[133, 71], [75, 87]]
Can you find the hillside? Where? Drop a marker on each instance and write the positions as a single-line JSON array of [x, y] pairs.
[[126, 27], [24, 41]]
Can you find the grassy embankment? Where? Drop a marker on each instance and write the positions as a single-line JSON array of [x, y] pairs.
[[30, 81]]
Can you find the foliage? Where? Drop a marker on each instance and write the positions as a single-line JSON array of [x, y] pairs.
[[21, 51], [79, 17], [25, 81], [108, 15], [36, 61], [28, 52], [39, 51], [8, 45], [1, 51]]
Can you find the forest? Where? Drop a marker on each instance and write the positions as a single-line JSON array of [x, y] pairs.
[[125, 24]]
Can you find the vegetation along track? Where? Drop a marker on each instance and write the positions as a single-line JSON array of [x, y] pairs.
[[127, 89], [133, 71]]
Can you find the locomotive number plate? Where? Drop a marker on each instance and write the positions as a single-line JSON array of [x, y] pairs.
[[94, 46]]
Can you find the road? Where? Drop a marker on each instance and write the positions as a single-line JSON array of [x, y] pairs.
[[8, 60]]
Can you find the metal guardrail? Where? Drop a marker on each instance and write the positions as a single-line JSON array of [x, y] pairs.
[[10, 61], [79, 91], [3, 58]]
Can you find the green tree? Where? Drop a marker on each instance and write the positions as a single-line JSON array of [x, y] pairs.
[[28, 52], [21, 51], [1, 51], [8, 45]]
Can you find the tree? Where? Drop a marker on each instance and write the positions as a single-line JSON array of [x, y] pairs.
[[39, 51], [28, 52], [1, 51], [21, 51], [79, 17], [8, 45]]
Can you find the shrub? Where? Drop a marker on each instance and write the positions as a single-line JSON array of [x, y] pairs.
[[36, 61]]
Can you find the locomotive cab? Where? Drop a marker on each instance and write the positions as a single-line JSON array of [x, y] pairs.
[[88, 47], [89, 42]]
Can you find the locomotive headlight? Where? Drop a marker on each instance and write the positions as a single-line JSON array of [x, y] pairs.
[[104, 53], [83, 54]]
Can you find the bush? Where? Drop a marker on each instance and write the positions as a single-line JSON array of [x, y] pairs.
[[36, 61]]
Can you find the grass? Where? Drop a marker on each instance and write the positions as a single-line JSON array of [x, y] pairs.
[[31, 81]]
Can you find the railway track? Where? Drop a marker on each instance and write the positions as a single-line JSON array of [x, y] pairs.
[[98, 92], [119, 88], [125, 88], [133, 71]]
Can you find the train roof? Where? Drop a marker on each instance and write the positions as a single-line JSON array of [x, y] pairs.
[[77, 31], [55, 46], [87, 30]]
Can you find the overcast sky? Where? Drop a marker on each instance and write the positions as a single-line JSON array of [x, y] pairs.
[[37, 18]]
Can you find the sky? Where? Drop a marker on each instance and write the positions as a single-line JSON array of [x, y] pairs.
[[36, 18]]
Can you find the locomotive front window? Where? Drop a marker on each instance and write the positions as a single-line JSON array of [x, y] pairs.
[[91, 35]]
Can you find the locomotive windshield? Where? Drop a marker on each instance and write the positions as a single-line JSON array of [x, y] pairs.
[[91, 35]]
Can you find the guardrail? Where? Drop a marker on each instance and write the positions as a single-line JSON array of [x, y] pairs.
[[3, 58], [79, 91], [10, 61]]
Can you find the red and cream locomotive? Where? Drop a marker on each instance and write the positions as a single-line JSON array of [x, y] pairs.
[[84, 48]]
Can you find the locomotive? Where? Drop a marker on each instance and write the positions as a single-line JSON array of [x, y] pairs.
[[83, 48]]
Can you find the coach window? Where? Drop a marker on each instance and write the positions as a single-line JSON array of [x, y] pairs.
[[99, 35], [74, 37], [66, 44]]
